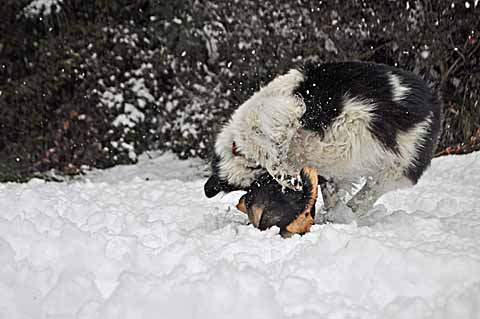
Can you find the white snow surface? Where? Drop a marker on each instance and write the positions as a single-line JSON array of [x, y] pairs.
[[143, 242]]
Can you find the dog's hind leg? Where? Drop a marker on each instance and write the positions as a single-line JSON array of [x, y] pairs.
[[374, 188], [363, 201], [329, 194], [329, 191], [334, 194]]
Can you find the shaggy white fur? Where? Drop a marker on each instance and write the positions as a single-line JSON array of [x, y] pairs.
[[349, 149], [262, 129]]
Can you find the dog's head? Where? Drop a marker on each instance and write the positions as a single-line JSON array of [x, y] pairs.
[[230, 166], [249, 144], [267, 204]]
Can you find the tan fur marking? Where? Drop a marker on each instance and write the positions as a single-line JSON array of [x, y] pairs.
[[312, 175], [304, 220], [241, 205], [301, 224]]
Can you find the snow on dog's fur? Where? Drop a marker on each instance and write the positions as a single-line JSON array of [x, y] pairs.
[[347, 120]]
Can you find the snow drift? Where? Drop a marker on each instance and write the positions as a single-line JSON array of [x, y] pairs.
[[143, 242]]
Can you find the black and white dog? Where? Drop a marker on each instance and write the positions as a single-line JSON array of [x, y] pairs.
[[347, 120]]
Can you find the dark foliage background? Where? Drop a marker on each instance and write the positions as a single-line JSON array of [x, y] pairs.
[[96, 82]]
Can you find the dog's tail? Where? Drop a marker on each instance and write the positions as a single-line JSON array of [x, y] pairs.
[[310, 187]]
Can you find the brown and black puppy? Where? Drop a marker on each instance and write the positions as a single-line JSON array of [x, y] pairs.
[[269, 204]]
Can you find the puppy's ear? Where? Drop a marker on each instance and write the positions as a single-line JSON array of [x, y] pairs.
[[310, 185], [241, 206], [213, 186], [310, 189], [305, 219]]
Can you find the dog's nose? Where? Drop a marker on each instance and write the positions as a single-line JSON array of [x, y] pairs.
[[212, 187]]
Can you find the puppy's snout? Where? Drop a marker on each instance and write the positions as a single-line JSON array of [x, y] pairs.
[[241, 206]]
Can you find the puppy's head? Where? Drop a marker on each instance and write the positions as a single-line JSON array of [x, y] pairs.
[[267, 204]]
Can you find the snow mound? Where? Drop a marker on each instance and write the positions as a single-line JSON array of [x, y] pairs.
[[143, 242]]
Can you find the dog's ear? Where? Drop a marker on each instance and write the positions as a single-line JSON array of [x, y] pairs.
[[213, 186], [310, 189], [302, 223], [310, 184]]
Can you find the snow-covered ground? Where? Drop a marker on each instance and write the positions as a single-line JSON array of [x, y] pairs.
[[143, 242]]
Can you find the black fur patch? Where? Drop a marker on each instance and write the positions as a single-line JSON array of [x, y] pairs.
[[417, 105], [326, 85], [427, 147], [321, 97]]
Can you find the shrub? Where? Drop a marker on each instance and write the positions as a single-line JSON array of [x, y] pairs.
[[96, 82]]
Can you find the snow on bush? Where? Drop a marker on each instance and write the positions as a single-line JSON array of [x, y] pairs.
[[37, 7], [99, 82]]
